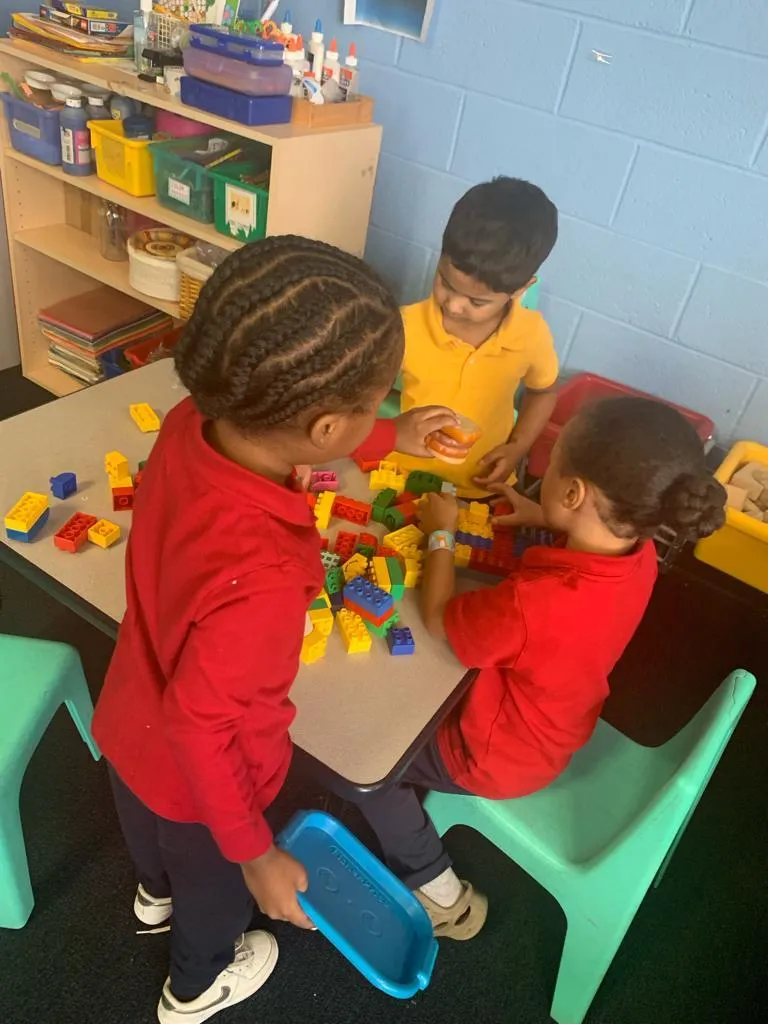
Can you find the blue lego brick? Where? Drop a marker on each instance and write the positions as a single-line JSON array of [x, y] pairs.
[[63, 485], [400, 640], [375, 601], [337, 601], [30, 535]]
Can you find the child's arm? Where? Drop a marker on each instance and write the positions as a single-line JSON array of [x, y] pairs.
[[406, 433], [439, 512], [535, 412], [235, 670]]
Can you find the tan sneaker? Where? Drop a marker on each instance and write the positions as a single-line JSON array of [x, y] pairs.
[[461, 921], [255, 959]]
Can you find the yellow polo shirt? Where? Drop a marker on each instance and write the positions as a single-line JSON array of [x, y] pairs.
[[440, 369]]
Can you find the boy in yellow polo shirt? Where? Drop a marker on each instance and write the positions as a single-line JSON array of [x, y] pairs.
[[471, 344]]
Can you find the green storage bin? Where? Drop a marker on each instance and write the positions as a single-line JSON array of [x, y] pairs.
[[183, 185], [240, 208]]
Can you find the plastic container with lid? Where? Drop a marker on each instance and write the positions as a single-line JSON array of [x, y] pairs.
[[252, 49], [252, 110], [255, 78]]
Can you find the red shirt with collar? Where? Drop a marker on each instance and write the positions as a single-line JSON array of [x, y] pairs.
[[545, 642], [221, 567]]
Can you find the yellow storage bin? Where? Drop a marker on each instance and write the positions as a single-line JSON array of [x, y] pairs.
[[125, 163], [740, 548]]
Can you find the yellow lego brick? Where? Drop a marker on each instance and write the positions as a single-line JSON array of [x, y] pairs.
[[104, 533], [313, 647], [380, 574], [355, 566], [116, 466], [25, 513], [324, 508], [356, 637], [322, 620], [387, 475], [412, 573], [406, 541], [478, 513], [121, 481], [145, 417], [462, 554]]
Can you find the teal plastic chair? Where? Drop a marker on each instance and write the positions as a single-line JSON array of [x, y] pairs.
[[36, 678], [601, 833]]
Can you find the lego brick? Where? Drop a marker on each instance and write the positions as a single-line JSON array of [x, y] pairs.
[[116, 465], [311, 499], [368, 539], [379, 574], [367, 465], [385, 498], [122, 499], [420, 482], [370, 602], [345, 544], [145, 417], [368, 551], [400, 640], [448, 488], [137, 478], [387, 476], [334, 581], [405, 497], [25, 513], [322, 620], [462, 554], [355, 636], [357, 512], [330, 560], [324, 509], [385, 552], [337, 601], [394, 519], [407, 541], [313, 647], [355, 566], [27, 536], [324, 544], [412, 572], [63, 485], [323, 480], [74, 533], [381, 629], [321, 601], [104, 534]]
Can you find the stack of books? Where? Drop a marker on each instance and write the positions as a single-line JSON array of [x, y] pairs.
[[83, 329], [75, 30]]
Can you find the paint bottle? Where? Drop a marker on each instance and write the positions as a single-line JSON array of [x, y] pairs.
[[317, 50], [332, 66], [97, 109], [76, 153], [348, 75]]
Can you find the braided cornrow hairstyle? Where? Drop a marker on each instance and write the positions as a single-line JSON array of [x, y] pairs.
[[285, 325]]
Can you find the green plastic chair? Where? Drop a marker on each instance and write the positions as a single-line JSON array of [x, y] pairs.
[[36, 678], [601, 833]]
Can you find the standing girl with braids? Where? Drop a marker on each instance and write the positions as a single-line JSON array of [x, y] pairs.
[[545, 640], [291, 349]]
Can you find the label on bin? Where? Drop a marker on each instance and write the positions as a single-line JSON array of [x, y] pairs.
[[179, 191], [241, 209], [26, 128]]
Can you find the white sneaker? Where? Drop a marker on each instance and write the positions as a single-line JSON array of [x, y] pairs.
[[255, 959], [150, 910]]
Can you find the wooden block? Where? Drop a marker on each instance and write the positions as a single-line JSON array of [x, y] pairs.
[[762, 501], [751, 509], [736, 497], [745, 478]]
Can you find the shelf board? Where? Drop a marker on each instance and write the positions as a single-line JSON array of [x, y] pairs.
[[80, 251], [119, 79], [53, 379], [148, 207]]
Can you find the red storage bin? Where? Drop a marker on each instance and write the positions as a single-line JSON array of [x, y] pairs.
[[583, 389], [138, 354]]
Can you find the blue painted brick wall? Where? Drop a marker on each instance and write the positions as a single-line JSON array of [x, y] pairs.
[[658, 161]]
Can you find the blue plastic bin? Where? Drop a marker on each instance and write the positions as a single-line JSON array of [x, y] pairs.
[[360, 907], [215, 99], [33, 131], [252, 49]]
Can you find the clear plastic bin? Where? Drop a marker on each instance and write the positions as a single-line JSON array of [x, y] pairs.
[[33, 131], [254, 79]]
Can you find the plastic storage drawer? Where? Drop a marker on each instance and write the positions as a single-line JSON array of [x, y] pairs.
[[739, 548], [240, 208], [181, 184], [125, 163], [251, 110], [255, 79], [583, 389], [252, 49], [33, 131]]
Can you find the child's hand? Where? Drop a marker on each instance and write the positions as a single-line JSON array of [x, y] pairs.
[[273, 880], [524, 511], [415, 426], [439, 512], [499, 464]]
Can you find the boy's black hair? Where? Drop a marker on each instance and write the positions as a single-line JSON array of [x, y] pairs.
[[648, 462], [284, 325], [501, 232]]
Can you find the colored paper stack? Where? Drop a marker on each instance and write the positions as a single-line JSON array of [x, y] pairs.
[[81, 330]]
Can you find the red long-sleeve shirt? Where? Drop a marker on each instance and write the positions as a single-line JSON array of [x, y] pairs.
[[221, 567]]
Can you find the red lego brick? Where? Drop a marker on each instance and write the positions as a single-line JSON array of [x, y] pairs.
[[405, 498], [408, 511], [137, 479], [383, 552], [311, 499], [122, 499], [367, 465], [345, 544], [324, 543], [74, 533], [357, 512], [366, 615], [368, 540]]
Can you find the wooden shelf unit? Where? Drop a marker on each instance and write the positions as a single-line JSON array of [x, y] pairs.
[[321, 186]]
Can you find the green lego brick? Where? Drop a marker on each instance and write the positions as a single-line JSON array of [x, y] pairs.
[[317, 604], [385, 498], [381, 631], [365, 549], [334, 580], [395, 570], [420, 482], [397, 590], [394, 519]]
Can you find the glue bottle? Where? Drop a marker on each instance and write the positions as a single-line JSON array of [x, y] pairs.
[[76, 153], [317, 50], [332, 67], [348, 74]]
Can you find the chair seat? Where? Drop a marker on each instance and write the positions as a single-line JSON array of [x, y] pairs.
[[604, 789]]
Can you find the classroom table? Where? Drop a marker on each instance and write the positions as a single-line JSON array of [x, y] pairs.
[[361, 716]]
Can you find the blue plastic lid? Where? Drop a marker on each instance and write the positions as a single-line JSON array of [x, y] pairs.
[[359, 905]]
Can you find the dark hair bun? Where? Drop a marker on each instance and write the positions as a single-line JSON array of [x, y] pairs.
[[694, 505]]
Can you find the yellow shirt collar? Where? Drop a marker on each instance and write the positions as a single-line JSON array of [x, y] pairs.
[[506, 336]]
